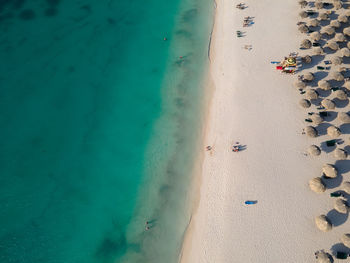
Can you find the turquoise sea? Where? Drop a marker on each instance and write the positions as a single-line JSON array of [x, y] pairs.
[[100, 121]]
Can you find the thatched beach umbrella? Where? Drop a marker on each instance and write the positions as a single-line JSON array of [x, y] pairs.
[[337, 5], [346, 187], [343, 117], [324, 84], [345, 239], [316, 118], [303, 28], [340, 154], [341, 206], [307, 59], [308, 76], [339, 37], [314, 22], [336, 60], [305, 44], [317, 51], [316, 185], [341, 94], [337, 76], [328, 30], [323, 223], [311, 94], [303, 14], [328, 104], [332, 45], [299, 84], [305, 103], [346, 31], [343, 19], [348, 44], [311, 131], [335, 24], [315, 151], [347, 85], [333, 132], [302, 3], [341, 69], [329, 171], [345, 52], [347, 13], [315, 36], [323, 16], [323, 257], [319, 5]]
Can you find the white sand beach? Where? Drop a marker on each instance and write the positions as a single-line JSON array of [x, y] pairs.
[[257, 106]]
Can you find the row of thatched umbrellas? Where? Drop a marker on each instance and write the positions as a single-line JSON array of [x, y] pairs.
[[329, 171]]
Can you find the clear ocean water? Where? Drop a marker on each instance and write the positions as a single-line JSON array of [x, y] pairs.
[[100, 120]]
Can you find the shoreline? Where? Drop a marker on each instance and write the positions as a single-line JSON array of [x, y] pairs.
[[254, 104]]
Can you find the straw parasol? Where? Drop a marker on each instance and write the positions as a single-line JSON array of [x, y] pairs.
[[347, 13], [323, 257], [309, 76], [345, 52], [323, 223], [324, 84], [341, 69], [337, 5], [307, 59], [328, 30], [333, 131], [299, 84], [328, 104], [311, 131], [346, 187], [303, 14], [335, 24], [317, 185], [311, 94], [316, 118], [346, 31], [341, 206], [336, 76], [340, 154], [340, 94], [314, 23], [348, 45], [315, 151], [343, 19], [322, 16], [345, 239], [315, 36], [347, 85], [344, 117], [303, 28], [339, 37], [317, 51], [305, 44], [329, 171], [302, 3], [336, 60], [319, 5], [332, 45], [305, 103]]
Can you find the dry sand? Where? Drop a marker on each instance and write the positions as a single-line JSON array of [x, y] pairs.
[[258, 106]]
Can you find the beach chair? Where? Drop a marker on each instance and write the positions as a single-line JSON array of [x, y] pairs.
[[335, 88], [308, 120], [341, 255], [323, 113], [336, 194], [331, 143]]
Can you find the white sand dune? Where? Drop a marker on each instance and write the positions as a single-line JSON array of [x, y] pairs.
[[258, 107]]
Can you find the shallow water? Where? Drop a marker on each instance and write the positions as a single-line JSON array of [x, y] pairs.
[[95, 108]]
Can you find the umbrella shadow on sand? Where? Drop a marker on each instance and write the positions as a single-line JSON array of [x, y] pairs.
[[336, 218], [332, 183], [339, 247]]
